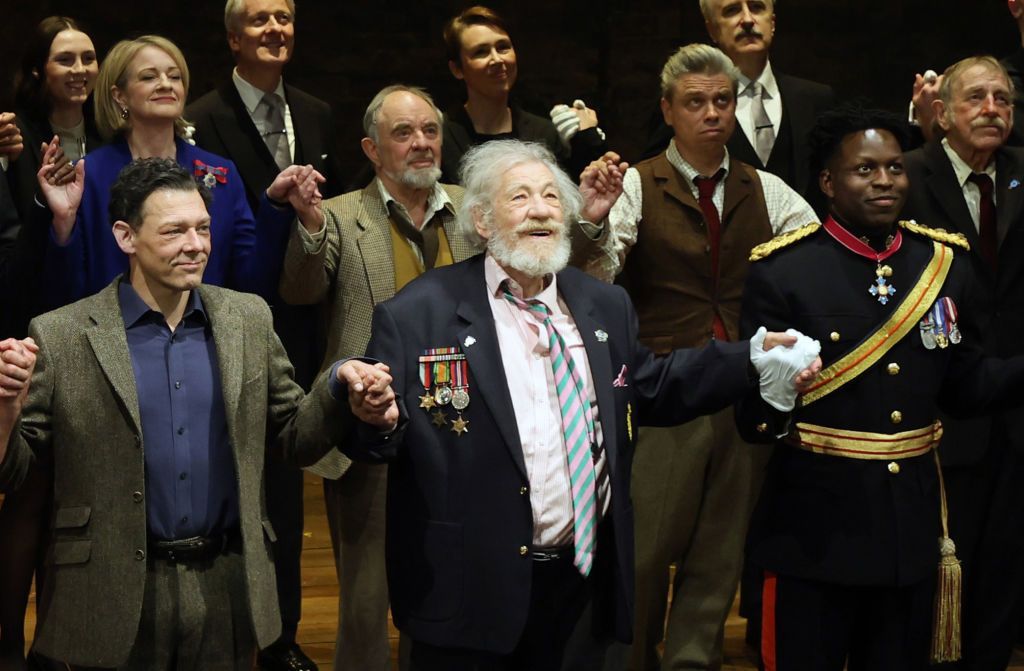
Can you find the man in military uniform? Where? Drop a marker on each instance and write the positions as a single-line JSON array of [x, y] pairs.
[[852, 507]]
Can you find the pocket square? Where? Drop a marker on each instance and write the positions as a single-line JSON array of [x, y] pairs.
[[620, 381]]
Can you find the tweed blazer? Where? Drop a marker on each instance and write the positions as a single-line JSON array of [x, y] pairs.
[[352, 271], [82, 416]]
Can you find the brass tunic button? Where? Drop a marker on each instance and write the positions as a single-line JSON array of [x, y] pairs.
[[762, 428], [896, 416], [523, 491], [140, 554], [834, 336], [893, 369], [137, 497], [523, 550], [894, 468]]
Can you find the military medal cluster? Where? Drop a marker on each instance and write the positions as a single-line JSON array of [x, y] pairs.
[[444, 373], [938, 328], [882, 287]]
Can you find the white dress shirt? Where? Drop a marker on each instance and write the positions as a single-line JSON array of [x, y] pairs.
[[972, 194], [523, 341], [251, 97]]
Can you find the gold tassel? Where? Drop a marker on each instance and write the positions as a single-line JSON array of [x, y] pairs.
[[948, 590], [948, 595]]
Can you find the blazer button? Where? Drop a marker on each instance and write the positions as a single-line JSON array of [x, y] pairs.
[[523, 550], [762, 427], [894, 468], [137, 497], [138, 441], [523, 491], [893, 369], [896, 417], [140, 554], [834, 336]]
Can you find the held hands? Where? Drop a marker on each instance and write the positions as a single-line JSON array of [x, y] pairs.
[[926, 92], [787, 364], [11, 142], [369, 393], [299, 186], [17, 361], [61, 185], [601, 186]]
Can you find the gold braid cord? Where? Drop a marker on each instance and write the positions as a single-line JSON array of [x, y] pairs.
[[945, 237], [766, 249]]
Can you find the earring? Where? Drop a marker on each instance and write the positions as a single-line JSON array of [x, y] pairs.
[[124, 112]]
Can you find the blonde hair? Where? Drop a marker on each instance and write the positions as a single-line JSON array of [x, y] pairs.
[[114, 72]]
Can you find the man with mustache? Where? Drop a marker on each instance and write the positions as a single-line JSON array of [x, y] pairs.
[[970, 182], [688, 219], [774, 110], [264, 125], [520, 386]]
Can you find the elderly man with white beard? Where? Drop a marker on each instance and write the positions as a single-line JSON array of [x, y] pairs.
[[520, 385]]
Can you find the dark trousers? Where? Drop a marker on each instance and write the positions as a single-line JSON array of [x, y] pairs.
[[195, 615], [559, 596], [986, 519], [814, 626]]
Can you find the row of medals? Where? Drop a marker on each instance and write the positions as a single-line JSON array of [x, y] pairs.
[[443, 395], [930, 336]]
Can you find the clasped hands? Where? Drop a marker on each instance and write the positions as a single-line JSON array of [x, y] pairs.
[[786, 363], [370, 395], [17, 362]]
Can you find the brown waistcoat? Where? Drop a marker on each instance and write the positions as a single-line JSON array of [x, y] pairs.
[[668, 271]]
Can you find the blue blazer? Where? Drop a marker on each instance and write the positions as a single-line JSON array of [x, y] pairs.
[[245, 255], [458, 509]]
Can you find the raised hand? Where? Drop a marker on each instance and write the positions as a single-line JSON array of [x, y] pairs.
[[62, 197], [925, 93], [11, 142], [601, 186], [299, 186], [369, 393], [17, 361]]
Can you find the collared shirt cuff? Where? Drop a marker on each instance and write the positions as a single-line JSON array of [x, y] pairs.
[[311, 242]]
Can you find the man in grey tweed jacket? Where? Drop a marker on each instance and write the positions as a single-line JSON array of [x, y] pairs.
[[139, 429]]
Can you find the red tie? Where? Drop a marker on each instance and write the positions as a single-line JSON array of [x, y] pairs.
[[706, 193], [986, 220]]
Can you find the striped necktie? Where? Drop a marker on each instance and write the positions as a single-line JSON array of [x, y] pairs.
[[579, 434]]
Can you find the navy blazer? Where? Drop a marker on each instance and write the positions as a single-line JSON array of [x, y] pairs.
[[224, 127], [935, 199], [458, 506]]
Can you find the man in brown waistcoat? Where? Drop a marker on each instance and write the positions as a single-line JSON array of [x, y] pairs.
[[688, 219]]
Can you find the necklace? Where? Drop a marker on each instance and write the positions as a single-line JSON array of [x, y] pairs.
[[881, 288]]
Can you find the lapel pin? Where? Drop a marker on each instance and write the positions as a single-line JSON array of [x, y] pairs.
[[468, 341], [601, 335], [1014, 183]]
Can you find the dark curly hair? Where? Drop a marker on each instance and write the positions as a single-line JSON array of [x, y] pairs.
[[832, 126], [140, 178]]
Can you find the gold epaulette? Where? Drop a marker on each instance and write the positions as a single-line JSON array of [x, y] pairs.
[[942, 236], [778, 242]]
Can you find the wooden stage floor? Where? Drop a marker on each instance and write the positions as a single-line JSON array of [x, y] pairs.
[[320, 599]]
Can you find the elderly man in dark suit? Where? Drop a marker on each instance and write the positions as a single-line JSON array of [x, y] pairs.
[[264, 125], [154, 402], [971, 183], [520, 385]]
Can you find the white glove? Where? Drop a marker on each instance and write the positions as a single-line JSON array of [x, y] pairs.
[[780, 365], [567, 123]]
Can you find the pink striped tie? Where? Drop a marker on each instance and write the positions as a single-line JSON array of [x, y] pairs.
[[579, 434]]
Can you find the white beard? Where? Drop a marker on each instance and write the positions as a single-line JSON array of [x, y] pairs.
[[532, 257]]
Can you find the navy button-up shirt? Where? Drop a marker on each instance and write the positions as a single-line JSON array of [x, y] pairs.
[[191, 487]]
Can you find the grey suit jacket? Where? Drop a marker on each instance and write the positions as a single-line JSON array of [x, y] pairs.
[[351, 271], [82, 416]]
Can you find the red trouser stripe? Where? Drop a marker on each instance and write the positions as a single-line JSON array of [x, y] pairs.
[[768, 622]]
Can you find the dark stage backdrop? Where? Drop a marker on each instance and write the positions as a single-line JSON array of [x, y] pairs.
[[608, 52]]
